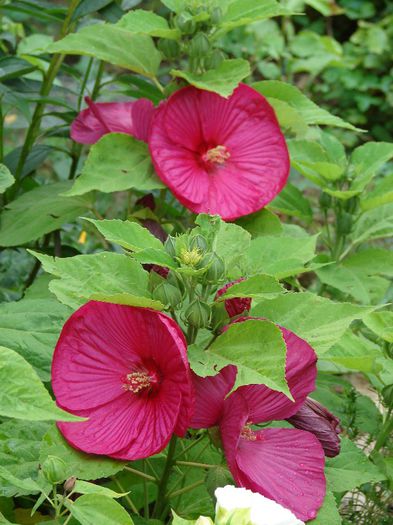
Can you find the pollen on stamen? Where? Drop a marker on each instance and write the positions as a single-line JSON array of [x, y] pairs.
[[248, 434], [137, 381], [218, 155]]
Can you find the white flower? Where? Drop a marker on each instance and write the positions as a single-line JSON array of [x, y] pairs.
[[263, 511]]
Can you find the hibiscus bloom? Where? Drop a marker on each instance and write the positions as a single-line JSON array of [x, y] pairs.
[[286, 465], [125, 369], [98, 119], [217, 155], [236, 305]]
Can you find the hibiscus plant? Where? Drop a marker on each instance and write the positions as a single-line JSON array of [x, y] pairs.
[[204, 280]]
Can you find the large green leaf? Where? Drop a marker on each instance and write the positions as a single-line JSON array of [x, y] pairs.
[[381, 323], [116, 162], [113, 44], [318, 320], [242, 12], [374, 224], [78, 464], [354, 352], [85, 487], [98, 275], [280, 256], [261, 285], [22, 395], [97, 509], [255, 346], [20, 444], [38, 212], [31, 328], [367, 159], [291, 201], [307, 110], [222, 80], [148, 23], [381, 194], [129, 235], [6, 178], [328, 514], [261, 223], [351, 468]]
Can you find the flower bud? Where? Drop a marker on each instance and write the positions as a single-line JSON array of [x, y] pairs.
[[351, 204], [54, 469], [315, 418], [237, 305], [214, 60], [198, 242], [191, 257], [170, 246], [344, 223], [199, 46], [387, 394], [169, 48], [198, 314], [325, 200], [216, 15], [167, 294], [69, 484], [186, 23], [147, 201], [215, 267]]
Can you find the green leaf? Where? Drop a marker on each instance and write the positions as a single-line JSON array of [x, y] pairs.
[[22, 395], [84, 487], [263, 222], [292, 202], [328, 513], [38, 212], [242, 12], [280, 256], [230, 243], [23, 486], [128, 166], [112, 44], [354, 352], [20, 443], [130, 235], [255, 346], [222, 80], [78, 464], [261, 285], [350, 469], [31, 328], [177, 520], [367, 159], [153, 256], [374, 224], [94, 509], [381, 194], [308, 111], [6, 178], [318, 320], [148, 23], [78, 282], [381, 323]]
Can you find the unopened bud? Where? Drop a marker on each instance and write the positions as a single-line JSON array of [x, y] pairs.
[[351, 204], [186, 23], [315, 418], [344, 223], [216, 15], [169, 48], [325, 200], [69, 484], [215, 267], [170, 246], [214, 60], [198, 314], [167, 294], [191, 257], [199, 46], [198, 242], [54, 469]]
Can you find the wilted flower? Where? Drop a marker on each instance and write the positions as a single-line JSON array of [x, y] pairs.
[[236, 503], [124, 368], [236, 305], [317, 419], [132, 118], [217, 155], [285, 465]]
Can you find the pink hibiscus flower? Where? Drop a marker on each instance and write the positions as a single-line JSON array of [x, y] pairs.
[[286, 465], [132, 118], [219, 156], [236, 305], [124, 368]]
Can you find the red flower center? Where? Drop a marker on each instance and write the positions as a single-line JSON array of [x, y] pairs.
[[248, 434], [137, 382], [217, 155]]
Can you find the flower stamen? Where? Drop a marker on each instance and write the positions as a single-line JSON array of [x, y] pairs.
[[248, 434], [218, 155], [137, 381]]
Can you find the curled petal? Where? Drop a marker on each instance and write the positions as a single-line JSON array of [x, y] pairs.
[[210, 393], [317, 419], [132, 118], [236, 305]]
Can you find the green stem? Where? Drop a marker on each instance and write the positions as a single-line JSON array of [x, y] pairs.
[[145, 494], [189, 447], [186, 489], [126, 497], [385, 433], [194, 464], [141, 474], [161, 494]]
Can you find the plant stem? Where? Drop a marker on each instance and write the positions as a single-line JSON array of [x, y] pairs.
[[194, 464], [189, 447], [126, 497], [161, 494], [141, 474], [186, 489], [146, 512], [385, 432]]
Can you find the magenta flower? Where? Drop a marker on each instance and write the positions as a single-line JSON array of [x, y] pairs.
[[219, 156], [124, 368], [317, 419], [132, 118], [286, 465], [236, 305]]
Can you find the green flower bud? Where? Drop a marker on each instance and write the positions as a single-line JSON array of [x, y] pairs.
[[199, 46], [191, 257], [185, 22], [169, 48], [351, 204], [216, 15], [344, 223], [214, 60], [325, 201], [167, 294], [54, 469], [198, 314], [170, 246], [215, 267], [198, 242], [219, 316]]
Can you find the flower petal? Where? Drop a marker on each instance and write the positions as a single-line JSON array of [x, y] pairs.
[[132, 118], [210, 393], [285, 465]]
